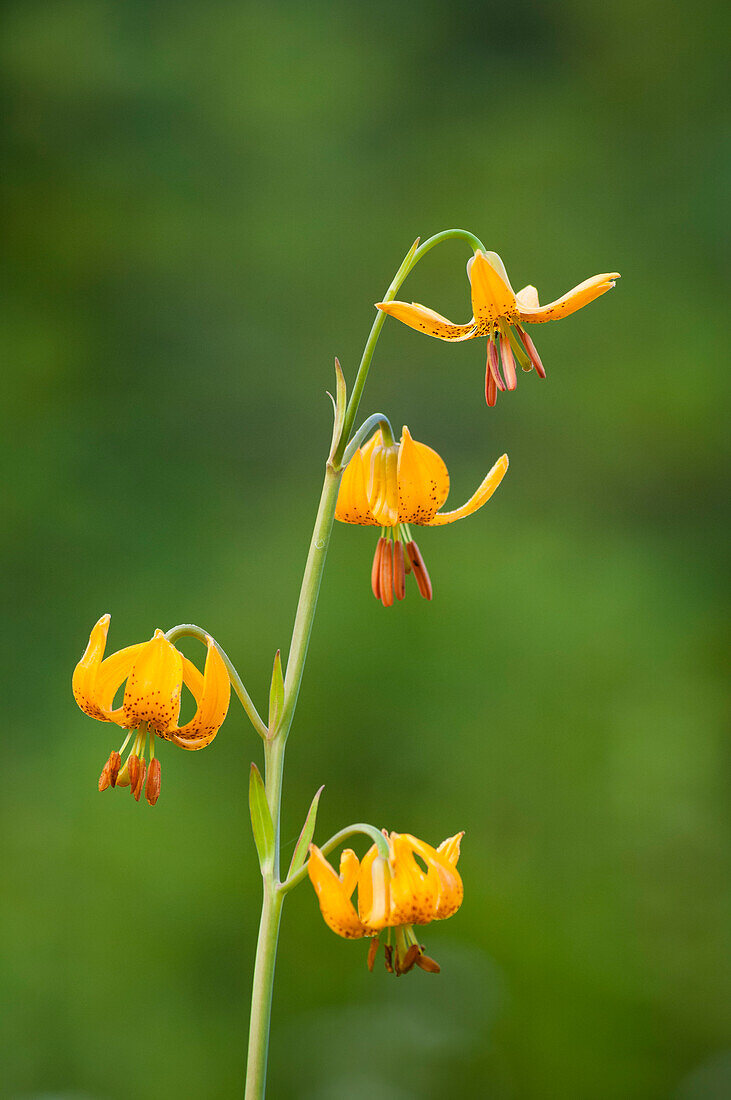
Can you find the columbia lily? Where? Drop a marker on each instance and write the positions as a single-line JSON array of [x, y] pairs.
[[392, 486], [154, 672], [394, 894], [499, 314]]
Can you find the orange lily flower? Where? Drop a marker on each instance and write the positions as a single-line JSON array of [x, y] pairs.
[[394, 894], [497, 310], [392, 487], [154, 672]]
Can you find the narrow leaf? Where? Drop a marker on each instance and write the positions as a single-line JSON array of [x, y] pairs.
[[308, 831], [276, 694], [261, 819], [340, 404]]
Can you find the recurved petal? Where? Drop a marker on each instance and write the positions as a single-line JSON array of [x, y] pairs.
[[153, 686], [114, 670], [492, 298], [414, 894], [212, 693], [95, 681], [374, 891], [574, 299], [352, 505], [427, 320], [83, 681], [450, 848], [337, 909], [483, 494], [423, 481], [451, 890], [349, 868]]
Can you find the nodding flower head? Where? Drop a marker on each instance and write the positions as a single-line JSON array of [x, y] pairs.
[[500, 314], [415, 885], [393, 487], [153, 673]]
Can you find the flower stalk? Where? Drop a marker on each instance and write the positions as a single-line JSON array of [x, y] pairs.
[[274, 745]]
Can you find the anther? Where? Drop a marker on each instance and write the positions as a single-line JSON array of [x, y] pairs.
[[530, 347], [399, 570], [105, 779], [388, 957], [427, 964], [114, 764], [372, 952], [410, 958], [136, 785], [376, 569], [420, 571], [386, 577], [506, 351], [133, 769], [152, 787], [494, 364], [490, 389]]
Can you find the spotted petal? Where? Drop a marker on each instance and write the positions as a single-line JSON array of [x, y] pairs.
[[574, 299], [423, 481], [333, 894], [483, 494], [427, 320], [212, 693]]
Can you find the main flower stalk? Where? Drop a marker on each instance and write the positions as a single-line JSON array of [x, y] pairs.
[[274, 744]]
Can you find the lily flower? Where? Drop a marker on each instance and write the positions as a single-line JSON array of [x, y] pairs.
[[154, 672], [394, 894], [499, 314], [393, 486]]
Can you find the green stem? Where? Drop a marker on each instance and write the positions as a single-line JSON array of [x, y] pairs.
[[409, 263], [261, 993], [190, 630], [266, 948], [334, 842]]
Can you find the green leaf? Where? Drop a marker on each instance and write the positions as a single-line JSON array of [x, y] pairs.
[[339, 405], [276, 694], [261, 818], [308, 831]]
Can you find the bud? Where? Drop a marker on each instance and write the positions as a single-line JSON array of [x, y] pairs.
[[152, 787]]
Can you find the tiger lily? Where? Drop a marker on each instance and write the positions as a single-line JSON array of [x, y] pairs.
[[499, 314], [154, 672], [394, 894], [393, 486]]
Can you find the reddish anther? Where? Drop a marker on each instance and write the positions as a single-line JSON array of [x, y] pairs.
[[420, 571], [386, 579], [152, 787], [372, 952], [105, 779], [376, 569], [511, 378], [427, 964], [399, 570], [494, 364], [136, 786], [410, 958], [533, 355]]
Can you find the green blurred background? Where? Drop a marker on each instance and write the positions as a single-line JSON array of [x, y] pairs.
[[202, 203]]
